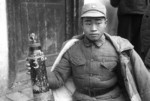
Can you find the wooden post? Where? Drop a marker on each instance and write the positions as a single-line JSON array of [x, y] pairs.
[[11, 40], [73, 9]]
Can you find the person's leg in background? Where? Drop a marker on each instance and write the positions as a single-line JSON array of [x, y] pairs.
[[136, 25], [124, 26], [129, 28]]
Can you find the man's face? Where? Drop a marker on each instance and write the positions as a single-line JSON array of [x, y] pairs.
[[94, 27]]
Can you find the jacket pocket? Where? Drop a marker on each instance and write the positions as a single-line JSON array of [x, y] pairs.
[[78, 65], [78, 61], [109, 65]]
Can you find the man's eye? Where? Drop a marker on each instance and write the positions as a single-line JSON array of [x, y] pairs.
[[88, 23], [99, 23]]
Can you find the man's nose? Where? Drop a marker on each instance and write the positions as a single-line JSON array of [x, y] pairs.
[[93, 27]]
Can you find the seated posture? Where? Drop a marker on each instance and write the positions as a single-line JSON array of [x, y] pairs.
[[102, 67]]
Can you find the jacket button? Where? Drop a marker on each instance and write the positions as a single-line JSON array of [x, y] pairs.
[[94, 99]]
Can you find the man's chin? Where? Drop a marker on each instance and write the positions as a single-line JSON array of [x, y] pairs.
[[94, 39]]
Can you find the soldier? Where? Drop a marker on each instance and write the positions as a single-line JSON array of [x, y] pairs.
[[99, 63]]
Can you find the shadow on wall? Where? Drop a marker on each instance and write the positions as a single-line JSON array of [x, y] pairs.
[[111, 15]]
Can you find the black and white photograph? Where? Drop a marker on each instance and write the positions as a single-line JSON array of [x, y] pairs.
[[75, 50]]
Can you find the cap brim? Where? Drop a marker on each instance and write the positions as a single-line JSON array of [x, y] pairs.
[[93, 14]]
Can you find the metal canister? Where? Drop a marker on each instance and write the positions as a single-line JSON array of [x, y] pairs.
[[37, 69]]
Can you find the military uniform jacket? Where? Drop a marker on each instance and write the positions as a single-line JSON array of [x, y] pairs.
[[136, 76]]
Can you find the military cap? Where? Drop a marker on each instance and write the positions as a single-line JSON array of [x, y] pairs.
[[93, 10]]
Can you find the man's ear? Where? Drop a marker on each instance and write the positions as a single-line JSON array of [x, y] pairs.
[[106, 21], [81, 22]]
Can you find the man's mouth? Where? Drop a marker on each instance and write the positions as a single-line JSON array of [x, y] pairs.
[[93, 34]]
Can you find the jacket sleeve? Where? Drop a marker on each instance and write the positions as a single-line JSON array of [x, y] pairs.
[[60, 74], [142, 76], [114, 3]]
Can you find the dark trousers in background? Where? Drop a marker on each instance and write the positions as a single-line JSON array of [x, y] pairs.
[[129, 27]]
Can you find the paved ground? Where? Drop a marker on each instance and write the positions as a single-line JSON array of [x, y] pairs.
[[21, 90]]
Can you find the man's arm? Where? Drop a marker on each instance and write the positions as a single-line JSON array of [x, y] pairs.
[[60, 74]]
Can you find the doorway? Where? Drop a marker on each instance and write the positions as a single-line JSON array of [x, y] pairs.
[[53, 21]]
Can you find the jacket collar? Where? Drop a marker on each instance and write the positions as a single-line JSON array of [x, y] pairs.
[[98, 43], [119, 43]]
